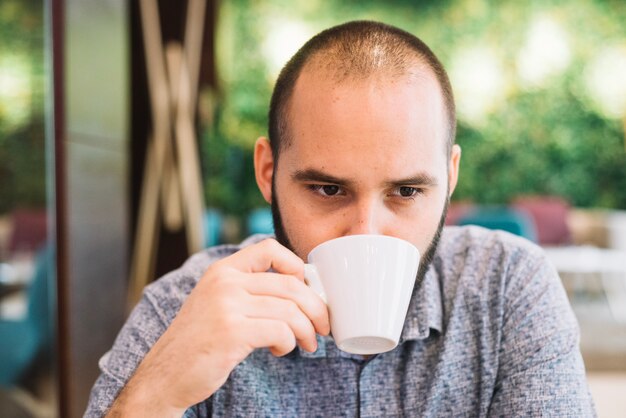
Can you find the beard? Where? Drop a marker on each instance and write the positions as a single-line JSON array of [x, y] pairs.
[[429, 255], [277, 219], [425, 261]]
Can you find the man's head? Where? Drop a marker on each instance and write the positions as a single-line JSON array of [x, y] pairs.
[[361, 131], [352, 51]]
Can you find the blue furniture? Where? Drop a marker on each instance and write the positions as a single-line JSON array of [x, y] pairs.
[[503, 218], [260, 221], [22, 341], [213, 223]]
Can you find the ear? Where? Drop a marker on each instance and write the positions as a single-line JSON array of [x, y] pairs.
[[453, 167], [264, 167]]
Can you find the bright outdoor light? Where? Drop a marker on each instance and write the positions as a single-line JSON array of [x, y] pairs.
[[284, 38], [605, 80], [479, 84], [15, 90], [545, 53]]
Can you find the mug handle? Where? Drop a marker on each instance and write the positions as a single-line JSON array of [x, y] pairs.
[[312, 279]]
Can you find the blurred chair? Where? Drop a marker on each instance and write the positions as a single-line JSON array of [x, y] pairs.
[[22, 341], [29, 230], [550, 214], [504, 218], [260, 221], [456, 210], [213, 226]]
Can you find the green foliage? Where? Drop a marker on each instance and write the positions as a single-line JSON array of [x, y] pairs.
[[545, 139], [228, 172], [23, 168], [22, 133]]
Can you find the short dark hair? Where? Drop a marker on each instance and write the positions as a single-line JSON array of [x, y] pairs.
[[345, 50]]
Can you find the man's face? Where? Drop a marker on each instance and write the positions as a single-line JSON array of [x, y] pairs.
[[366, 157]]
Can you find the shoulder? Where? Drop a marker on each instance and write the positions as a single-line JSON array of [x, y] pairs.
[[478, 251], [476, 244], [492, 267], [504, 300]]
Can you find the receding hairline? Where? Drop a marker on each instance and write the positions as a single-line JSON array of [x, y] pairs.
[[353, 51], [320, 65], [328, 61]]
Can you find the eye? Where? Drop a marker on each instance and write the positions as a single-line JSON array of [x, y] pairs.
[[326, 190], [407, 191], [330, 190]]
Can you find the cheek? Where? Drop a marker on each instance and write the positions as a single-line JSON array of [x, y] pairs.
[[304, 231], [420, 225], [303, 225]]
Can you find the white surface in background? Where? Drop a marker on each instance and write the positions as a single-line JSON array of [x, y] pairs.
[[585, 263], [608, 391], [14, 307]]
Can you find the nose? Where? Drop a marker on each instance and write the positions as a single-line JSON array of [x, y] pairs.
[[366, 217]]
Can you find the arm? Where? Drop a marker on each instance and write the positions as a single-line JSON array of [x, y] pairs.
[[236, 307], [541, 372]]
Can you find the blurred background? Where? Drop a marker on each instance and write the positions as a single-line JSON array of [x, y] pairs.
[[126, 139]]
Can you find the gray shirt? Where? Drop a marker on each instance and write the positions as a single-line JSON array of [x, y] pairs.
[[489, 332]]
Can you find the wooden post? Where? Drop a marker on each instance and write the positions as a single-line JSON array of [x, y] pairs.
[[172, 170]]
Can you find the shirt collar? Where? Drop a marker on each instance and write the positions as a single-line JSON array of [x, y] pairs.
[[425, 310], [425, 313]]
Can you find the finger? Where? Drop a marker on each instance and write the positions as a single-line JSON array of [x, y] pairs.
[[267, 254], [276, 335], [285, 310], [291, 288]]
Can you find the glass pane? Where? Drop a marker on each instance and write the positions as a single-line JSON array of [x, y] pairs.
[[27, 282]]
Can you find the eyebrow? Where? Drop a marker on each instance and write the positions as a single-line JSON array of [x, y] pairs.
[[419, 179], [313, 175]]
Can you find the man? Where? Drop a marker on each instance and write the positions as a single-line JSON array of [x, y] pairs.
[[361, 141]]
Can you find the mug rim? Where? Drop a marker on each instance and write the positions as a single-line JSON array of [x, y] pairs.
[[360, 236]]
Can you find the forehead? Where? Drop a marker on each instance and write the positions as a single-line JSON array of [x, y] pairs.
[[370, 118]]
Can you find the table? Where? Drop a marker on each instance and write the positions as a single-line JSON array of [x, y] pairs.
[[586, 261]]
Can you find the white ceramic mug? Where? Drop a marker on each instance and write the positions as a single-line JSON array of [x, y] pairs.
[[367, 282]]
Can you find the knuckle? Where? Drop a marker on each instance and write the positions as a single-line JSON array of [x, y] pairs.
[[290, 285], [215, 273], [291, 310], [225, 303], [302, 325], [221, 292], [289, 337], [285, 340], [270, 244], [285, 332], [217, 266], [238, 341], [226, 324], [317, 316], [320, 310], [321, 319], [224, 281]]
